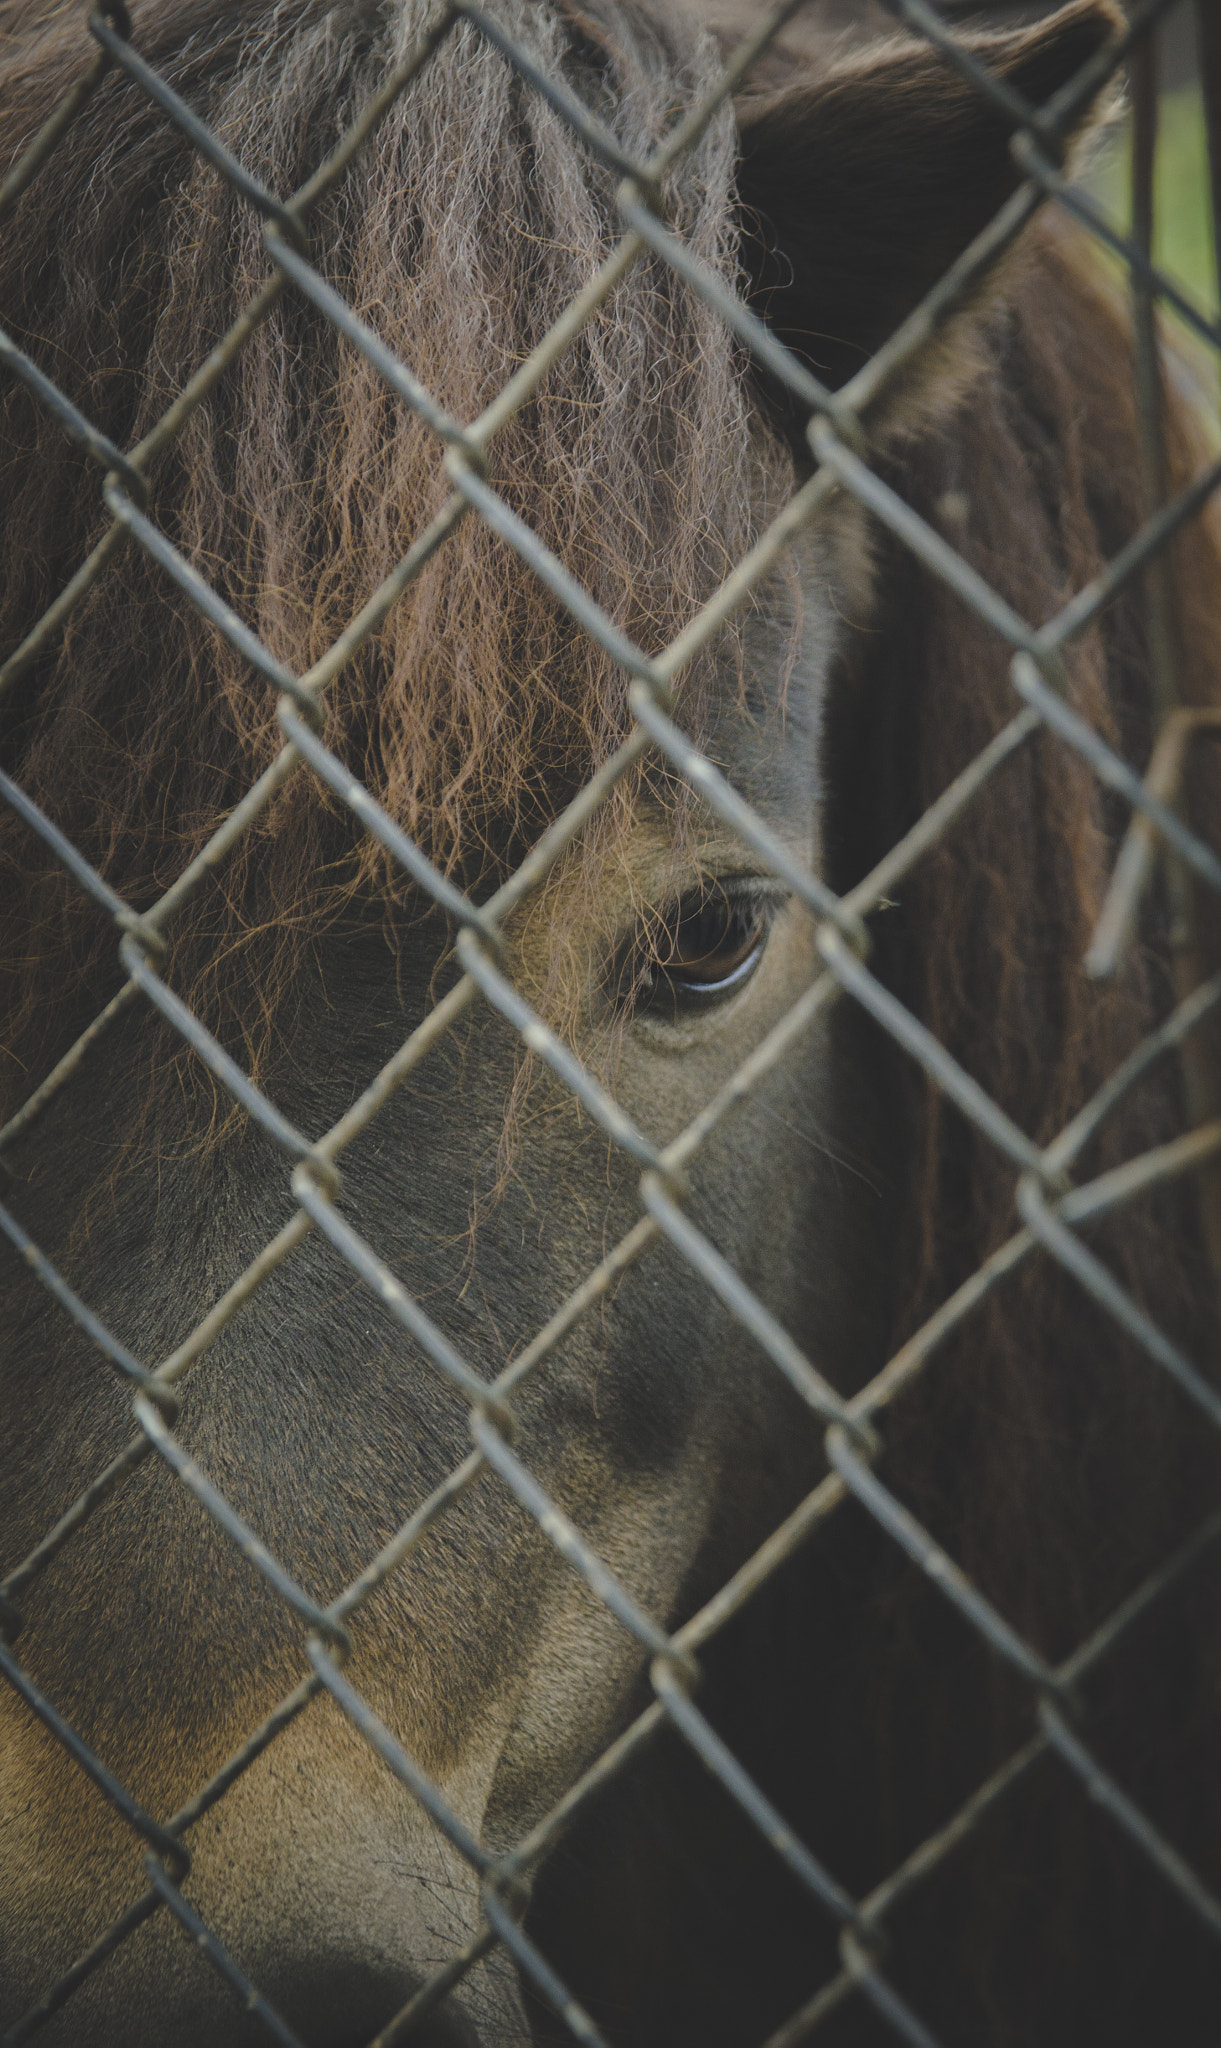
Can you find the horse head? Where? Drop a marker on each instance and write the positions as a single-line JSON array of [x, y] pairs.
[[485, 1253]]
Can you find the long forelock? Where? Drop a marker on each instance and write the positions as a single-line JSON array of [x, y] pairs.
[[460, 233]]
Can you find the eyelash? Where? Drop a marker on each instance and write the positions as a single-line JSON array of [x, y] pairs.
[[699, 953]]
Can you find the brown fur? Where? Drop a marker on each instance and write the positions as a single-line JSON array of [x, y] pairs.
[[1049, 1456], [989, 941], [844, 244], [300, 484]]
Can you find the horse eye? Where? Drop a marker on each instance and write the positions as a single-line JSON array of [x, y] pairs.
[[705, 949]]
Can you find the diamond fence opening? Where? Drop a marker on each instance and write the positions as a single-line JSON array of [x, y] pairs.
[[1054, 1210]]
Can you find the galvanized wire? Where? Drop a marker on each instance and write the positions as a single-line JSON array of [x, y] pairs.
[[1051, 1208]]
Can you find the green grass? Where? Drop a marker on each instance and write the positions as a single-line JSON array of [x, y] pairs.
[[1182, 221], [1182, 217]]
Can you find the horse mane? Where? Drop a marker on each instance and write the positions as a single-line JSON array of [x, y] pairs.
[[466, 225], [1038, 1416]]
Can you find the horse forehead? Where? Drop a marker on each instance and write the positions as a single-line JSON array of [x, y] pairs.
[[757, 715], [762, 721]]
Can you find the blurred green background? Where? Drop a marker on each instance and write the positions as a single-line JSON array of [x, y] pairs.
[[1183, 244], [1183, 237]]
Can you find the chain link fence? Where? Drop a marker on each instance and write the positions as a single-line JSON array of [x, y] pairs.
[[1052, 1210]]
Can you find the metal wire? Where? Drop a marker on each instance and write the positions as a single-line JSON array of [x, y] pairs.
[[1051, 1211]]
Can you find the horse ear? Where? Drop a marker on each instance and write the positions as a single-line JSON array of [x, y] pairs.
[[861, 186]]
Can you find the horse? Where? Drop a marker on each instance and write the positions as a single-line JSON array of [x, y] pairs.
[[840, 698]]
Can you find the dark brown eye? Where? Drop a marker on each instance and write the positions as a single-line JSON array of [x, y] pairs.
[[706, 948]]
